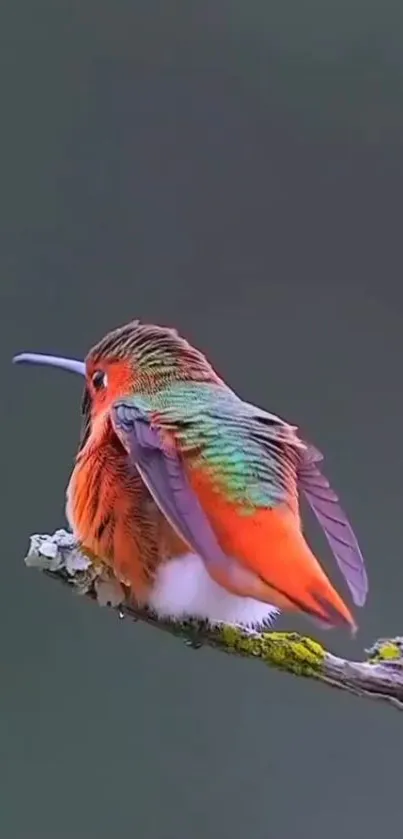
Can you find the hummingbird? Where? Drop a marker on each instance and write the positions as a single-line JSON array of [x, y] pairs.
[[191, 495]]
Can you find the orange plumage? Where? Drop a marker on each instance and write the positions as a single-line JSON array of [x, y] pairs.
[[115, 516], [175, 470], [271, 545]]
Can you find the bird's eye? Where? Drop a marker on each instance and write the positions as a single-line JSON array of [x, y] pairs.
[[99, 380]]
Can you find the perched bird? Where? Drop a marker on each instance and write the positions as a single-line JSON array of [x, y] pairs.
[[191, 495]]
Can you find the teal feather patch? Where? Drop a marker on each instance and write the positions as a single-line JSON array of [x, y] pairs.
[[250, 454]]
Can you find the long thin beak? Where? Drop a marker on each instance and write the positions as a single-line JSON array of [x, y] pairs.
[[72, 365]]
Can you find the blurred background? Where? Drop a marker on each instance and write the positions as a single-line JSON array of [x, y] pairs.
[[233, 169]]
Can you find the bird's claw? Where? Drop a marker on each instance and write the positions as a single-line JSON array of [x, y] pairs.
[[193, 644], [109, 592]]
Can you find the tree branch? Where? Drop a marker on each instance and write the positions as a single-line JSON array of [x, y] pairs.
[[379, 676]]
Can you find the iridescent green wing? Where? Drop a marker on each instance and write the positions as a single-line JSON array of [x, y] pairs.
[[259, 460]]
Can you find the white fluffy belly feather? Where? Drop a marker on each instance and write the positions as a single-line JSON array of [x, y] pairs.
[[183, 588]]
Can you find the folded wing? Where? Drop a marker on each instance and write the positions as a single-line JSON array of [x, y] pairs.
[[257, 456], [163, 472], [336, 527]]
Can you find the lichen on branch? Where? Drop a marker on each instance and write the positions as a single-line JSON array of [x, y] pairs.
[[379, 675]]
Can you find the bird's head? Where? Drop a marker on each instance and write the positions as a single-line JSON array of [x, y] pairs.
[[135, 358]]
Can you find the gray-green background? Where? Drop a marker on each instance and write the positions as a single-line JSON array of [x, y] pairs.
[[235, 169]]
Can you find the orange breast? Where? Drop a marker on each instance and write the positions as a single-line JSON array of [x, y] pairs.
[[116, 519]]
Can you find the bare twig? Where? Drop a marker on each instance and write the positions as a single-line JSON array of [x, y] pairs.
[[379, 675]]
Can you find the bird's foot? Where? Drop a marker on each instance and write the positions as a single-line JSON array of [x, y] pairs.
[[109, 592]]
